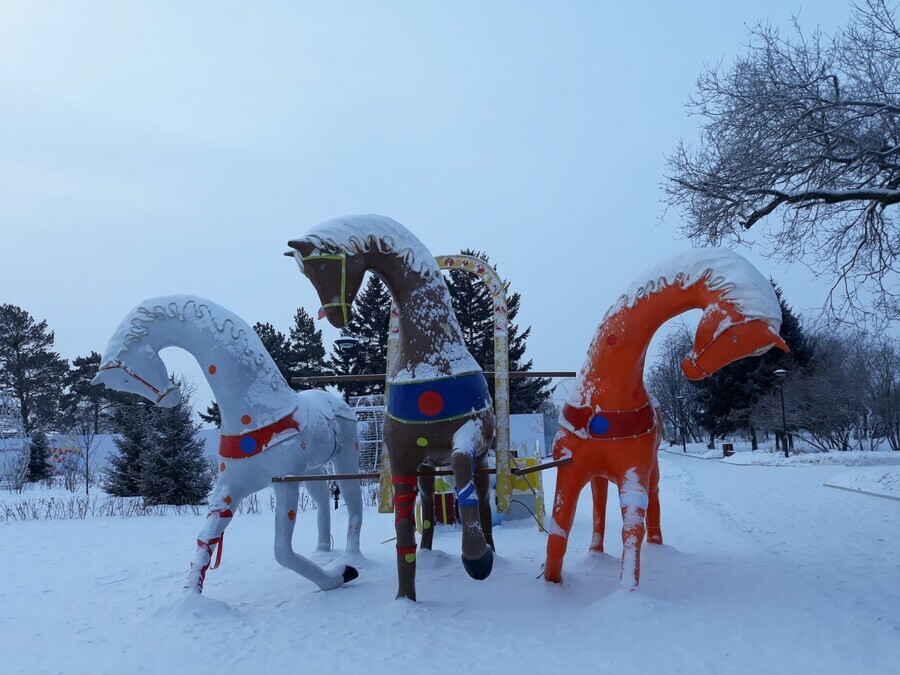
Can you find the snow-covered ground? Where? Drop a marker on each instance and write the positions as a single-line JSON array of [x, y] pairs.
[[764, 571]]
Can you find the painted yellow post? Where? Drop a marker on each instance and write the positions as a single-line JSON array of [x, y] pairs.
[[386, 498], [501, 377], [494, 284]]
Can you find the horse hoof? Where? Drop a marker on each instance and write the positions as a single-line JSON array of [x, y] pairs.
[[350, 573], [480, 569]]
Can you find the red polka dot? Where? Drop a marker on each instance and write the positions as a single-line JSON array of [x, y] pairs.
[[222, 466], [292, 514], [611, 340], [431, 403], [212, 370]]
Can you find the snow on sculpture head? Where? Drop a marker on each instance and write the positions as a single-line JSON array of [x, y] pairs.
[[140, 371], [331, 256], [742, 315], [132, 365]]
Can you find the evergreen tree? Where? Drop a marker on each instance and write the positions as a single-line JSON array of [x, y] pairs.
[[371, 318], [39, 463], [29, 367], [174, 469], [474, 309], [84, 399], [278, 346], [132, 425], [212, 414], [307, 355], [726, 399]]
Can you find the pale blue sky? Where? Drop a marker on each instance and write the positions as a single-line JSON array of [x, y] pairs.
[[174, 147]]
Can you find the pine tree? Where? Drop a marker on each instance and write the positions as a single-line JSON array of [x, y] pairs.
[[371, 318], [307, 357], [212, 414], [474, 309], [133, 427], [174, 469], [278, 346], [29, 367], [84, 399], [39, 464]]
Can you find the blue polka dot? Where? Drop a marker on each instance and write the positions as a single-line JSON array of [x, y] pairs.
[[248, 445], [599, 425]]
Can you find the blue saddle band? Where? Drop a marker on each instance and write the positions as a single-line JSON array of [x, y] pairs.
[[448, 398]]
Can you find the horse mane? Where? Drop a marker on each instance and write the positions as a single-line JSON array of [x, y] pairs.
[[722, 271], [136, 326], [365, 233]]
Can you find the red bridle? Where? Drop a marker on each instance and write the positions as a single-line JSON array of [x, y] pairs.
[[159, 395]]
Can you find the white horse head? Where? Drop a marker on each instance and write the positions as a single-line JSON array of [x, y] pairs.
[[139, 370]]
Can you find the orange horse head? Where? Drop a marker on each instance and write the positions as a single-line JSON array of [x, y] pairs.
[[723, 336]]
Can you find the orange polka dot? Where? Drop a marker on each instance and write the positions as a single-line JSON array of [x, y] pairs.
[[227, 500], [292, 515], [212, 370], [246, 419], [222, 466]]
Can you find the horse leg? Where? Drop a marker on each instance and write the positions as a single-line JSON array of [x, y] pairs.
[[599, 489], [346, 460], [570, 480], [426, 491], [218, 517], [285, 513], [633, 499], [318, 490], [483, 490], [477, 556], [654, 533], [403, 475]]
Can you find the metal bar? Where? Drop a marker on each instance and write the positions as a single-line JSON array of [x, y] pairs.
[[379, 377], [438, 472]]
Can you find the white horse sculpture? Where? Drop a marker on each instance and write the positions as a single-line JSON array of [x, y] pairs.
[[267, 428]]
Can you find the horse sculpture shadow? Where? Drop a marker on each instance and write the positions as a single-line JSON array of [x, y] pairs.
[[438, 408], [611, 429], [267, 428]]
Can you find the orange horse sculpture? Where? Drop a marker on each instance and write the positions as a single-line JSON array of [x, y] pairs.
[[611, 428]]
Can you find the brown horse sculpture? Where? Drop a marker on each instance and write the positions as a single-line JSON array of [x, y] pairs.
[[609, 426], [438, 408]]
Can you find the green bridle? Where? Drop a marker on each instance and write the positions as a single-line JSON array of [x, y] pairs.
[[342, 257]]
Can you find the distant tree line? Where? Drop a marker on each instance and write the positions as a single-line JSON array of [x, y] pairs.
[[841, 390]]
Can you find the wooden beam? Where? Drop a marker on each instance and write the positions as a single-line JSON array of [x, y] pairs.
[[379, 377], [437, 472]]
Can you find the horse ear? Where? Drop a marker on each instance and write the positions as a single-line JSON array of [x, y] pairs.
[[289, 254]]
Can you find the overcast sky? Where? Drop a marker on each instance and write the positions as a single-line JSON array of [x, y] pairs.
[[149, 148]]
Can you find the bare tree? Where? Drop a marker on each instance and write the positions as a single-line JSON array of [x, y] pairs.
[[803, 133], [667, 381]]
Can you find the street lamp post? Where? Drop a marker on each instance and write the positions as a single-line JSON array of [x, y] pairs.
[[781, 373], [345, 345], [680, 400]]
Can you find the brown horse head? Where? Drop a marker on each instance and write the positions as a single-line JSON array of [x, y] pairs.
[[723, 336], [336, 275]]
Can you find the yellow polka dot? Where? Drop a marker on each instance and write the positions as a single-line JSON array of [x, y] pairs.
[[410, 557], [421, 442], [427, 524], [246, 419]]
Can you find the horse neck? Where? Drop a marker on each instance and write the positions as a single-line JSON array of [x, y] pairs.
[[613, 373], [431, 342], [244, 379]]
